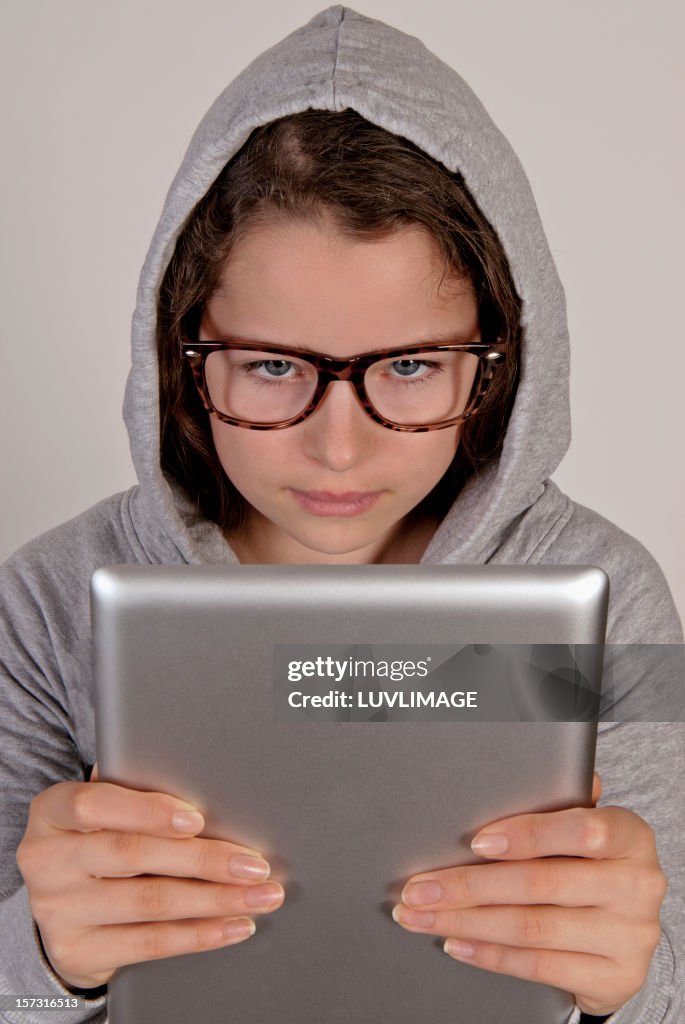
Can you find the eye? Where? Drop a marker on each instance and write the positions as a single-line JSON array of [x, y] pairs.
[[412, 371], [408, 367], [272, 367]]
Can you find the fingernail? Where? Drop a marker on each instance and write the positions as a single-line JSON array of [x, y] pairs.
[[188, 821], [459, 949], [419, 894], [415, 918], [243, 865], [264, 895], [239, 928], [489, 844]]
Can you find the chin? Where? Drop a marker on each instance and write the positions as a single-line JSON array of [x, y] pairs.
[[334, 545], [337, 542]]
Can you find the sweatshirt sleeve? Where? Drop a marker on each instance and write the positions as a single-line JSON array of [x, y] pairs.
[[642, 766], [25, 971], [39, 747], [641, 758], [641, 742], [637, 761]]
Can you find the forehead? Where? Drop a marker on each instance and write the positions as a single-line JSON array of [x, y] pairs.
[[305, 284]]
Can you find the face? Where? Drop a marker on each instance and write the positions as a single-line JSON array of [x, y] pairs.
[[337, 487]]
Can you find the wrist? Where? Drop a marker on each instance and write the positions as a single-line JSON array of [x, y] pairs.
[[86, 993]]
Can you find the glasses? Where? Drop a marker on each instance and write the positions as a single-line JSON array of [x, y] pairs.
[[419, 388]]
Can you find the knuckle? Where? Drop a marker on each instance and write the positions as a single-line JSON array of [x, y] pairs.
[[596, 832], [58, 948], [34, 811], [463, 888], [152, 813], [36, 803], [628, 884], [655, 885], [45, 910], [205, 935], [209, 863], [661, 886], [225, 899], [82, 800], [199, 936], [156, 943], [646, 831], [543, 881], [534, 834], [541, 966], [26, 856], [632, 873], [532, 928], [127, 848], [644, 885], [151, 899], [471, 882], [497, 959]]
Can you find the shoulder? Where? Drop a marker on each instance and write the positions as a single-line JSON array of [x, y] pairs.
[[54, 569], [641, 608], [98, 530]]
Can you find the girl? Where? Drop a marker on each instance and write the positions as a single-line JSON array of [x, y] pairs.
[[346, 203]]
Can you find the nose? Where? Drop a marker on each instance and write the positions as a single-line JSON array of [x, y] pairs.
[[339, 433]]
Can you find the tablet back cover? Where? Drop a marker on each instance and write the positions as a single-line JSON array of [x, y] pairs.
[[345, 803]]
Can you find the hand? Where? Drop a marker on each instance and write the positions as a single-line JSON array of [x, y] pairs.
[[588, 926], [116, 876]]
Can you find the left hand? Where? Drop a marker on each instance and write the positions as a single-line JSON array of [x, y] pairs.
[[573, 903]]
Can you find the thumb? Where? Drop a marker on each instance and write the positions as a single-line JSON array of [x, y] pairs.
[[94, 773]]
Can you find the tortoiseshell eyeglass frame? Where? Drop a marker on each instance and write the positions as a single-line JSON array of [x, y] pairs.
[[352, 370]]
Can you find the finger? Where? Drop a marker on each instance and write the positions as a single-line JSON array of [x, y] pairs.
[[586, 930], [568, 882], [596, 788], [94, 773], [149, 898], [86, 807], [572, 972], [597, 832], [108, 854], [108, 948]]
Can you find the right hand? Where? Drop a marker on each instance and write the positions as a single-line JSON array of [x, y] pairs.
[[84, 846]]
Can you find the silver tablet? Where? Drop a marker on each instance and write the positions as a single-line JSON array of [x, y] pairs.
[[356, 724]]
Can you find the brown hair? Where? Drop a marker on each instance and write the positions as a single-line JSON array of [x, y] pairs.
[[370, 182]]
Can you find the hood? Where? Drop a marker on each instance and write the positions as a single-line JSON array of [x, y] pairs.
[[343, 59]]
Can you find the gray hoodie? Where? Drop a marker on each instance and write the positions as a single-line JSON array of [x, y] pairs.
[[511, 513]]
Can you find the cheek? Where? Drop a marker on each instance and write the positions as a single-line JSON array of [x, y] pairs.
[[249, 456], [437, 451]]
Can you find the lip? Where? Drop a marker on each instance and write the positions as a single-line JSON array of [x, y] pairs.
[[328, 503]]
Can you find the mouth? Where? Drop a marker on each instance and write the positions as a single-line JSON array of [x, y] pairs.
[[328, 503]]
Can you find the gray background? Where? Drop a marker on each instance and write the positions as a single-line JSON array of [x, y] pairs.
[[98, 104]]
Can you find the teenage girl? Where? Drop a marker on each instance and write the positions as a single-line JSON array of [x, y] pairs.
[[349, 347]]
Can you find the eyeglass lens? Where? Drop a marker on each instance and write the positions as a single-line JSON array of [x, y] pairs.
[[412, 390]]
